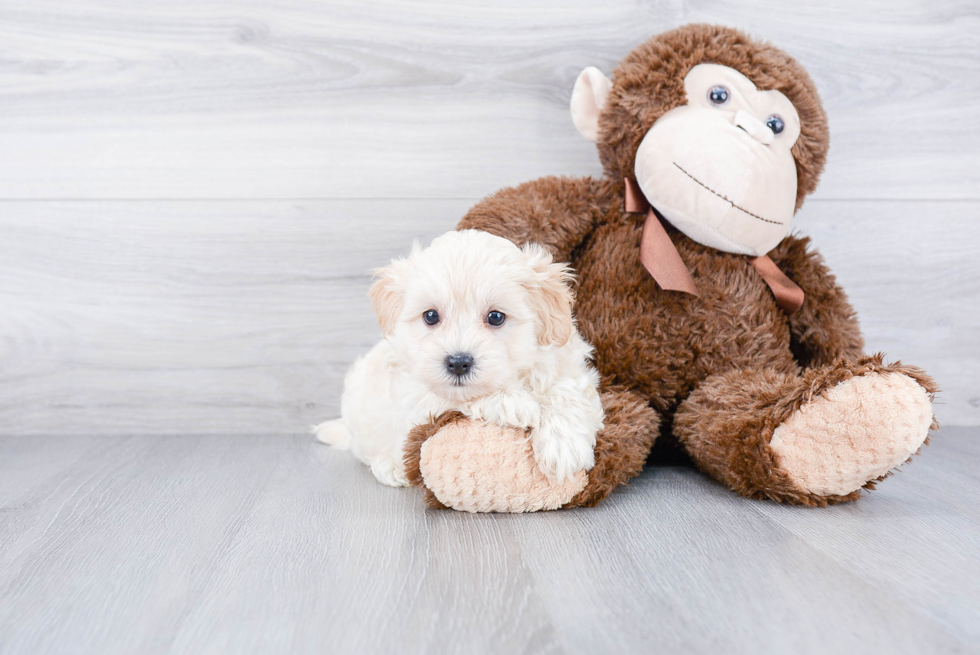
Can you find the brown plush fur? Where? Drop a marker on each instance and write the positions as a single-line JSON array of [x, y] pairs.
[[662, 343], [413, 453], [728, 422], [825, 328], [725, 368], [622, 445]]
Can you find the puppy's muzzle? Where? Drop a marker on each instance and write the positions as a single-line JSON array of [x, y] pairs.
[[459, 365]]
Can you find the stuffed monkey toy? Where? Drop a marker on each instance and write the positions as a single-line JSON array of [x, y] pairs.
[[715, 333]]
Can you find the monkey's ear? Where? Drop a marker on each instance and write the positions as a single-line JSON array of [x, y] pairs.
[[588, 98]]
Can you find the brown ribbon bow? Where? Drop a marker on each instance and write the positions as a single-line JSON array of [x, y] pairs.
[[660, 257]]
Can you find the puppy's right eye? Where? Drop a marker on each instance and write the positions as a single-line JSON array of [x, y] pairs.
[[495, 318], [431, 317]]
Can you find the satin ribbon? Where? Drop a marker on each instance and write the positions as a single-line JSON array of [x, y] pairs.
[[660, 257]]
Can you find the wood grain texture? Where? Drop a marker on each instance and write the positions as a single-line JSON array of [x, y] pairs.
[[911, 271], [243, 317], [215, 317], [244, 544], [306, 99]]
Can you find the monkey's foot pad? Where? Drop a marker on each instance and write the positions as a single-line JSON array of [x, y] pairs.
[[855, 432], [501, 476]]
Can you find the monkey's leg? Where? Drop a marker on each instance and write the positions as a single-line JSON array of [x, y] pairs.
[[474, 466], [812, 439], [622, 446]]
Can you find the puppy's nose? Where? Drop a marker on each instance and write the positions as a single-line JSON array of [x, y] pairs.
[[459, 364]]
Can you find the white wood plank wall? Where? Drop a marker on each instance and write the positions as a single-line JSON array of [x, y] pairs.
[[192, 191]]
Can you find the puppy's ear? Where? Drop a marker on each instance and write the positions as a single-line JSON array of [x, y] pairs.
[[551, 296], [387, 295]]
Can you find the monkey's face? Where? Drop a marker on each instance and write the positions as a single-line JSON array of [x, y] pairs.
[[720, 168]]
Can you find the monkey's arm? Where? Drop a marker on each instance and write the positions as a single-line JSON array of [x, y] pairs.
[[557, 212], [826, 326]]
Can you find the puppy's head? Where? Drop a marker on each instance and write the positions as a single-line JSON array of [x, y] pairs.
[[473, 311]]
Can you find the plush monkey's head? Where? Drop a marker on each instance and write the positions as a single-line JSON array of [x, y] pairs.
[[725, 135]]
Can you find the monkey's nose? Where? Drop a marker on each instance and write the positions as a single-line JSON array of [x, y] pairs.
[[459, 364], [755, 128]]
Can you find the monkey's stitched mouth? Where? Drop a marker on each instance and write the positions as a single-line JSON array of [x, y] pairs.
[[745, 211]]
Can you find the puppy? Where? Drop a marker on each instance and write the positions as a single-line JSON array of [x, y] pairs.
[[475, 324]]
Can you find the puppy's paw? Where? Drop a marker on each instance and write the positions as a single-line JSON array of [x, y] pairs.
[[562, 450], [515, 409], [390, 471]]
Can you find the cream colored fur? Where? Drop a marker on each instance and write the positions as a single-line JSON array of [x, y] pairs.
[[856, 432], [530, 373]]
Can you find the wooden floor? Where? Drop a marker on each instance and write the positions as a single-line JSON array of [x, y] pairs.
[[276, 544], [191, 195]]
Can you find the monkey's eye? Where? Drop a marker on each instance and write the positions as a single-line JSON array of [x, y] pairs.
[[431, 317], [496, 319], [718, 95], [775, 124]]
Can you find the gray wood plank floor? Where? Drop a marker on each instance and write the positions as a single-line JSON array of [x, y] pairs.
[[275, 544]]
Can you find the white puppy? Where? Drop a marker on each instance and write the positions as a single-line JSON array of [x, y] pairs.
[[475, 324]]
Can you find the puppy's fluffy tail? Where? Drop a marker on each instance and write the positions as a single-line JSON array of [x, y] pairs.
[[333, 433]]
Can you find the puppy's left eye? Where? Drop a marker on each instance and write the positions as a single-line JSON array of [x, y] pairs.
[[496, 319]]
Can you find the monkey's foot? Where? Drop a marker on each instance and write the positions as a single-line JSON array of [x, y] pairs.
[[853, 433]]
